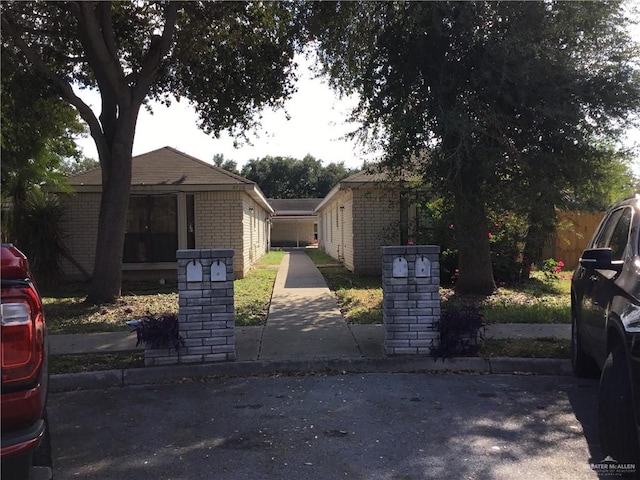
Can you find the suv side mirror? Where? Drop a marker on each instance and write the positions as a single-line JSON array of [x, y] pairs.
[[599, 258]]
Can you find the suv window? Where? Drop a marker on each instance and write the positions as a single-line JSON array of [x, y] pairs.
[[615, 233], [604, 235]]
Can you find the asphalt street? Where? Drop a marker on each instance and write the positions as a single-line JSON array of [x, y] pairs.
[[354, 426]]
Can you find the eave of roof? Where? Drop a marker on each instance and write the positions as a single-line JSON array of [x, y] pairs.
[[168, 170], [362, 179], [359, 179]]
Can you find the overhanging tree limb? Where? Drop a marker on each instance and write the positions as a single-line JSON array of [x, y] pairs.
[[230, 59], [159, 47], [508, 98], [104, 64], [63, 87]]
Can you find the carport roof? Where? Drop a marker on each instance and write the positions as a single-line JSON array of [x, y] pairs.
[[285, 206]]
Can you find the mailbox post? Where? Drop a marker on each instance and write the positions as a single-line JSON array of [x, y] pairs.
[[206, 305], [205, 309], [411, 299]]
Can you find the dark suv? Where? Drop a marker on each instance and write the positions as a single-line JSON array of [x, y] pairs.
[[26, 450], [605, 305]]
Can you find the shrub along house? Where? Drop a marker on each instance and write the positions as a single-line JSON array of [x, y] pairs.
[[177, 202], [364, 212]]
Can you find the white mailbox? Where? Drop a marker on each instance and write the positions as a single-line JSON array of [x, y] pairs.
[[423, 267], [218, 271], [400, 267], [194, 272]]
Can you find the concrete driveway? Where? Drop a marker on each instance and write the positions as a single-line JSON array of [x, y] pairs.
[[357, 426]]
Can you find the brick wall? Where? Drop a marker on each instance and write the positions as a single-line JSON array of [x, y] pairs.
[[80, 227], [355, 233], [335, 228], [232, 220], [222, 219], [376, 216], [254, 233], [218, 219]]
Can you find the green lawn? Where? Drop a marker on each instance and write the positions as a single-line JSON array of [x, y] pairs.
[[359, 299], [320, 258], [66, 311], [534, 301]]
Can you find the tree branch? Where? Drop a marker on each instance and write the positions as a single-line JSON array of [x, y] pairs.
[[104, 17], [99, 46], [64, 88], [159, 47], [107, 69]]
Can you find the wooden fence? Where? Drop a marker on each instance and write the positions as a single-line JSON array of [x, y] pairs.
[[574, 231]]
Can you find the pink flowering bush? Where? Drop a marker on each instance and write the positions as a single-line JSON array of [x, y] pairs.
[[552, 269]]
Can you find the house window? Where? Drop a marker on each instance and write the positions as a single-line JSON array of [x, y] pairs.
[[404, 219], [415, 225], [331, 226], [152, 229], [191, 222]]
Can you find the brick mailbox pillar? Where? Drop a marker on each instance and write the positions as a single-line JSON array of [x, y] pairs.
[[206, 305], [411, 299]]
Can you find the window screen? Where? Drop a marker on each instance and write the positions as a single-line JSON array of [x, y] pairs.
[[152, 229]]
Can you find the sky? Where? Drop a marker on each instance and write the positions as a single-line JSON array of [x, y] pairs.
[[317, 125]]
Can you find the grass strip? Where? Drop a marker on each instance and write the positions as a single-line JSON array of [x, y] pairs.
[[93, 362], [534, 313], [526, 348]]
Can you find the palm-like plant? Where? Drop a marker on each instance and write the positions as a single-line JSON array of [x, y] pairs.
[[37, 225]]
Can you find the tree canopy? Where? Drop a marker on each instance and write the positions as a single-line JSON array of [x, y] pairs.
[[503, 105], [506, 104], [37, 137], [287, 177], [229, 59], [38, 129]]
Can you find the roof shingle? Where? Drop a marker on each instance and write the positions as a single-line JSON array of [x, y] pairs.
[[167, 166]]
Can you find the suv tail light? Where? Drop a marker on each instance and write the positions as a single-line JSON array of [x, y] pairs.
[[22, 324]]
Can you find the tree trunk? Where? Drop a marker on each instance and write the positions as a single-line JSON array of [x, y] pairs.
[[116, 187], [474, 253], [542, 222]]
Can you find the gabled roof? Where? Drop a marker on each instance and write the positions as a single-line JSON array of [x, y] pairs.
[[372, 178], [365, 178], [167, 166], [170, 170]]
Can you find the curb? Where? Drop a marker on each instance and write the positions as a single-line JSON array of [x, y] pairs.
[[152, 375]]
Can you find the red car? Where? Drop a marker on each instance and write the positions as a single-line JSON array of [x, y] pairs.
[[26, 449]]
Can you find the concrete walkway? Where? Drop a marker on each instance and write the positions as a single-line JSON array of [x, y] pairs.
[[303, 323], [304, 320]]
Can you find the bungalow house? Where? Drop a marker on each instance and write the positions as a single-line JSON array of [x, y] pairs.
[[295, 223], [362, 213], [177, 202]]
